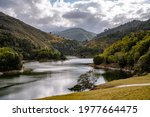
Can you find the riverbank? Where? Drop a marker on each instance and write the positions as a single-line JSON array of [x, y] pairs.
[[111, 67], [113, 91], [16, 72], [25, 71]]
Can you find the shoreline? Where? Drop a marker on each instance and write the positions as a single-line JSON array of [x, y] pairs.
[[124, 89], [110, 67], [15, 72]]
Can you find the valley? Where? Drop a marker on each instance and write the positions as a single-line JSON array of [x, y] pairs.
[[75, 62]]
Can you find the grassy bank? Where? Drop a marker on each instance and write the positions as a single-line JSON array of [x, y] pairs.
[[108, 91]]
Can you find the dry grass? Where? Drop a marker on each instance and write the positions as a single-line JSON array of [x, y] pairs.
[[108, 92]]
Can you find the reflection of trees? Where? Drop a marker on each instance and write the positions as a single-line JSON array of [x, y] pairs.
[[115, 75], [86, 81]]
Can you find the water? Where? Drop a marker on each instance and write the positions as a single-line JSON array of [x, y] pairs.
[[53, 78]]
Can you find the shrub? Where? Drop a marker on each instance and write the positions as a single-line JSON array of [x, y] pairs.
[[46, 54], [98, 60], [143, 63], [9, 60]]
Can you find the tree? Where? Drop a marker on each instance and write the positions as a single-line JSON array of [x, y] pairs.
[[98, 60], [9, 60], [143, 63], [46, 54]]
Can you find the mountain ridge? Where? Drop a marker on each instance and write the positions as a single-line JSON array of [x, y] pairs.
[[22, 37], [109, 36], [77, 34]]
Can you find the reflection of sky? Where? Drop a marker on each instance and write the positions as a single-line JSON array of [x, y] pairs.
[[62, 76], [57, 78]]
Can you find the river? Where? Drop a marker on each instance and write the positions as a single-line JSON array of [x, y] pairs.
[[53, 78]]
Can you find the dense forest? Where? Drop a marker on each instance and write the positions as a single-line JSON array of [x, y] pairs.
[[132, 51], [18, 38], [110, 36], [9, 60]]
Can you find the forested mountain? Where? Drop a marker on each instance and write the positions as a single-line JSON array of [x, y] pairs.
[[132, 51], [23, 38], [110, 36], [125, 29], [77, 34], [73, 47]]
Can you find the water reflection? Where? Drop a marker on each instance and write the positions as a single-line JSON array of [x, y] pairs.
[[87, 81], [52, 78], [95, 77]]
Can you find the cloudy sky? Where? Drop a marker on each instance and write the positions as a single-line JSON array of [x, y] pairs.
[[92, 15]]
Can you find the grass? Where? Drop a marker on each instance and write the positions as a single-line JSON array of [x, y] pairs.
[[108, 92]]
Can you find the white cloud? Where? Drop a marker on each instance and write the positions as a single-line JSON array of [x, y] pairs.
[[93, 15]]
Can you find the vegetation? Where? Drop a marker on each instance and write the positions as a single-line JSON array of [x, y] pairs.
[[110, 36], [108, 91], [132, 51], [67, 47], [9, 60], [47, 54], [125, 29], [23, 38], [77, 34]]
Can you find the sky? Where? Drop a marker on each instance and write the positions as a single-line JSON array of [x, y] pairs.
[[92, 15]]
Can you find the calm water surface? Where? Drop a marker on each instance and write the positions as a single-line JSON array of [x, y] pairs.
[[53, 78]]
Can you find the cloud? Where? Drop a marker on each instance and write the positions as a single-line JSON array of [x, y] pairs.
[[76, 14], [93, 15]]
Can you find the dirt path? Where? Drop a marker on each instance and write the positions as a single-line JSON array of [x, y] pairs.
[[132, 85]]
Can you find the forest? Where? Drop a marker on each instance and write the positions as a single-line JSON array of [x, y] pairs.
[[132, 52]]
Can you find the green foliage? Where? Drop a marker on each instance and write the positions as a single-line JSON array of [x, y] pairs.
[[110, 36], [23, 38], [46, 54], [132, 51], [121, 60], [21, 45], [143, 64], [67, 47], [9, 60], [98, 60]]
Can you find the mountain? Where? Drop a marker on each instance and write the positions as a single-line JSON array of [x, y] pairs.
[[76, 34], [22, 37], [125, 29], [109, 36], [132, 51]]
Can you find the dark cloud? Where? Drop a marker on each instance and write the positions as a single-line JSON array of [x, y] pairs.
[[76, 14], [146, 15], [119, 18], [92, 15], [140, 11], [7, 3]]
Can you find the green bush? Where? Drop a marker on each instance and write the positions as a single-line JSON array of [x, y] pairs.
[[9, 60], [143, 63], [46, 54], [98, 60]]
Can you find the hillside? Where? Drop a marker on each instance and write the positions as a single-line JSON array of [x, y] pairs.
[[22, 37], [113, 91], [77, 34], [110, 36], [67, 47], [132, 52]]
